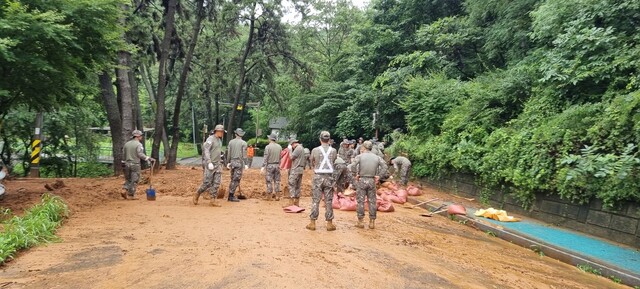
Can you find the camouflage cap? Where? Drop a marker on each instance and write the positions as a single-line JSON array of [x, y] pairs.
[[239, 132], [367, 145], [273, 136], [325, 135], [339, 160], [219, 127], [136, 133]]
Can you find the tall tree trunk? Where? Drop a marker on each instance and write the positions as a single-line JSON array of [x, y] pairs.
[[242, 72], [113, 116], [244, 103], [135, 98], [162, 77], [124, 88], [175, 138], [218, 88], [207, 103], [148, 83]]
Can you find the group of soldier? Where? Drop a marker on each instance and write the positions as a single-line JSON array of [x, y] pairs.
[[358, 164]]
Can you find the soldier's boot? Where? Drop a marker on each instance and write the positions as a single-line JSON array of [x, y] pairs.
[[291, 202], [330, 226], [214, 202], [277, 196], [296, 201], [312, 225], [124, 194], [133, 197], [360, 223], [232, 198], [372, 223], [196, 196]]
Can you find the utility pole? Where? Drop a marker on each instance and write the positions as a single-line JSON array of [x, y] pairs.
[[36, 147]]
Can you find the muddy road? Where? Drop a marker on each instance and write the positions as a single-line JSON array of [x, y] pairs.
[[170, 243]]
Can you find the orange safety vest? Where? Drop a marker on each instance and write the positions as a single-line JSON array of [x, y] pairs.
[[250, 152]]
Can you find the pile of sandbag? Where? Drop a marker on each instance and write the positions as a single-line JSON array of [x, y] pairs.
[[391, 192], [349, 203]]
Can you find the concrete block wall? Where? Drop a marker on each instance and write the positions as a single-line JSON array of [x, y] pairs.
[[621, 225]]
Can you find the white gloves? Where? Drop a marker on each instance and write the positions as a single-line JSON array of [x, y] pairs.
[[262, 170], [210, 166], [229, 166], [246, 167]]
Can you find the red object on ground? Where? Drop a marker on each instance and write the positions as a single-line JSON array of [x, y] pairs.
[[293, 209], [413, 191], [384, 206], [456, 209], [285, 161], [336, 201], [347, 204]]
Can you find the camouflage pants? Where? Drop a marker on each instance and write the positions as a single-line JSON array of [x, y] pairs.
[[131, 177], [404, 174], [211, 181], [272, 177], [322, 185], [366, 188], [295, 182], [237, 167]]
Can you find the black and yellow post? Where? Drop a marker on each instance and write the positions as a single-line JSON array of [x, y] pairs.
[[36, 148]]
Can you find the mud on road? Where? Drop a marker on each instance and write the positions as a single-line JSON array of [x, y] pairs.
[[170, 243]]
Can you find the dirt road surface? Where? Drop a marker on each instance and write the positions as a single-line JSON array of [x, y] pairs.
[[170, 243]]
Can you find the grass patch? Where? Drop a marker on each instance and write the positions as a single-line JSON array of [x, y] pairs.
[[589, 269], [38, 225]]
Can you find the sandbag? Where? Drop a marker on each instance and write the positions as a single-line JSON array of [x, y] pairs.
[[402, 194], [413, 191], [382, 191], [285, 161], [347, 204], [384, 206], [335, 203]]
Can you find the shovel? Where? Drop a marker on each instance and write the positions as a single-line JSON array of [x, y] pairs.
[[151, 192], [440, 209], [419, 204]]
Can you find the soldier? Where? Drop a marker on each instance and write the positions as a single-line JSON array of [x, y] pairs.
[[251, 151], [237, 161], [133, 153], [212, 162], [402, 167], [343, 149], [342, 175], [298, 163], [322, 160], [307, 155], [272, 166], [368, 168], [375, 148], [359, 146]]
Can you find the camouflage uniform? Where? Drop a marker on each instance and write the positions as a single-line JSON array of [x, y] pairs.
[[322, 159], [133, 152], [272, 165], [237, 160], [402, 166], [307, 161], [298, 162], [342, 175], [367, 166], [211, 151]]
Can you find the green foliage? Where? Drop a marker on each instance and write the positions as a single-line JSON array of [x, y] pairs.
[[36, 226], [54, 47]]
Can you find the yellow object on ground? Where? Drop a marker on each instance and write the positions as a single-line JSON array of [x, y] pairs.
[[498, 215]]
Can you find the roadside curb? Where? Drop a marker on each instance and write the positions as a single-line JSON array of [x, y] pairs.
[[536, 245]]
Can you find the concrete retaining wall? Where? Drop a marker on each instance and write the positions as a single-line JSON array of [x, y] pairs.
[[621, 225]]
